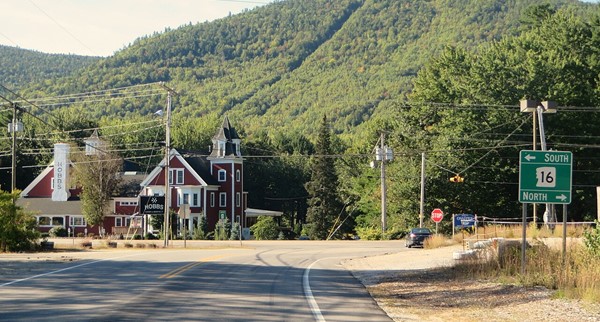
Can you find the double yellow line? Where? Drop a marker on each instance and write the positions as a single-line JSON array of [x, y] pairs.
[[189, 266]]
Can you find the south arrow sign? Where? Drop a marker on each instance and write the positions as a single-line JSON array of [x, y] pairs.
[[545, 177]]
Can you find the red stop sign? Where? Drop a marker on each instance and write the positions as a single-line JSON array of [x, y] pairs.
[[437, 214]]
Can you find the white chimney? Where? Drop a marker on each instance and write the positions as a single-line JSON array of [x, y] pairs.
[[61, 172]]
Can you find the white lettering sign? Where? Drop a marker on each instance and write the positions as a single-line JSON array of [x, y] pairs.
[[61, 172]]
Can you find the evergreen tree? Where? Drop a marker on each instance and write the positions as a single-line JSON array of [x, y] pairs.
[[17, 227], [324, 205]]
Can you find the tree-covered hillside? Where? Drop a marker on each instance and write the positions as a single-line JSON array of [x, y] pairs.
[[21, 67], [287, 63]]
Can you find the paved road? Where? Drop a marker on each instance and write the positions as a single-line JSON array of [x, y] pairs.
[[261, 281]]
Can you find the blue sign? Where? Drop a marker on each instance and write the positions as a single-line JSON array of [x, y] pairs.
[[464, 221]]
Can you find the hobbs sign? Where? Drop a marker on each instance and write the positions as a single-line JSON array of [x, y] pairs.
[[152, 205]]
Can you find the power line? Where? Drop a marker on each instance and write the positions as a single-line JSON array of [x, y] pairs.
[[62, 27]]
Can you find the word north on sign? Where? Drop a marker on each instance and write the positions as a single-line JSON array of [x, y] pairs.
[[545, 176]]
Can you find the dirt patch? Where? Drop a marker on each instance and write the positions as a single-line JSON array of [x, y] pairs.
[[412, 286]]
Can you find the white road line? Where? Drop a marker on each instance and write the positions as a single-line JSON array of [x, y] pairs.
[[64, 269], [314, 307]]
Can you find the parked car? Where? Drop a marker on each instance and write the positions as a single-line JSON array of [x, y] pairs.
[[417, 236]]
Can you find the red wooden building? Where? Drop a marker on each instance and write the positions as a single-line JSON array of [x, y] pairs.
[[212, 185]]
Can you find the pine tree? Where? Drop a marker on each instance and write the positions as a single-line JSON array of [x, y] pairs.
[[323, 205]]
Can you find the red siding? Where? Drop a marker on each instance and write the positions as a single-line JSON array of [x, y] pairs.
[[44, 187]]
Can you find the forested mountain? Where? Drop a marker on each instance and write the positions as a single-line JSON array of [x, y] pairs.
[[21, 67], [287, 63], [440, 78]]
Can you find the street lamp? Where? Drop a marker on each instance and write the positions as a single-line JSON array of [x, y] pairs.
[[532, 106]]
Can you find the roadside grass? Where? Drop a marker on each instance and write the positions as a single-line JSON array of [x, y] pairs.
[[575, 275], [437, 241]]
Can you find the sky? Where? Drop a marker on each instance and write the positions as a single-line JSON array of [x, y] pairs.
[[102, 27]]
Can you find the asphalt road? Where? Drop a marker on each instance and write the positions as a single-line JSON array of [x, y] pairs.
[[260, 281]]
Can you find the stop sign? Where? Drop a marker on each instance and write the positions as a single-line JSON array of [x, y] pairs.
[[437, 214]]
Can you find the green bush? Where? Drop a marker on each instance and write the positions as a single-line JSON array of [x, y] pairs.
[[265, 228], [58, 231], [222, 229], [591, 240], [235, 231]]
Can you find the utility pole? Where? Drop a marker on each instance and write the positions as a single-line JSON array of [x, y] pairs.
[[167, 215], [383, 189], [14, 127], [383, 154], [422, 204]]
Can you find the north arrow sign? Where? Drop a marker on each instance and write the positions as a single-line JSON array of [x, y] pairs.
[[545, 177]]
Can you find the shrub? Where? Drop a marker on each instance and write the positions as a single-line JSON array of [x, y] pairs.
[[591, 240], [235, 231], [58, 231], [281, 236], [198, 234], [369, 233], [265, 228]]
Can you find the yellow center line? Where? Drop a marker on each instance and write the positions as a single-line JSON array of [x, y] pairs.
[[189, 266]]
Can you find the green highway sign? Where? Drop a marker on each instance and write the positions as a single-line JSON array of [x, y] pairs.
[[545, 176]]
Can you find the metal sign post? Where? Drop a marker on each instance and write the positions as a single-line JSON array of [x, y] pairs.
[[544, 177]]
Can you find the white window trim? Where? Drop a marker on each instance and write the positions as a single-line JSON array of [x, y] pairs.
[[180, 172], [238, 198], [238, 175], [175, 173], [223, 199], [223, 173], [72, 221], [212, 199], [195, 199], [51, 221]]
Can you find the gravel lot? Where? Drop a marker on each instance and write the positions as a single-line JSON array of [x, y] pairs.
[[422, 289]]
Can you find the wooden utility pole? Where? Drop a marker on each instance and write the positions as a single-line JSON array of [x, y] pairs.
[[167, 218]]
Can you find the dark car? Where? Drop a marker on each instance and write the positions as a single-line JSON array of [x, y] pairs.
[[417, 236]]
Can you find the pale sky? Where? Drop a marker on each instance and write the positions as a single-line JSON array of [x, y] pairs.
[[102, 27]]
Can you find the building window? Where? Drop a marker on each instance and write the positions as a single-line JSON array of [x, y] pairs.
[[78, 221], [212, 199], [195, 199], [223, 199], [44, 221], [128, 203], [237, 199], [180, 176], [186, 198], [52, 183], [118, 221], [47, 221], [177, 174], [238, 175], [222, 175], [221, 148]]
